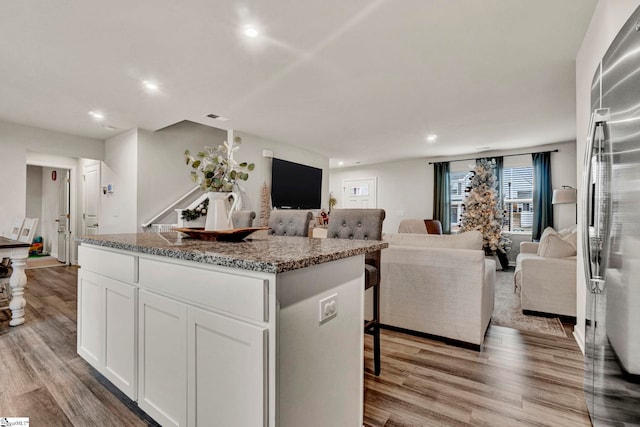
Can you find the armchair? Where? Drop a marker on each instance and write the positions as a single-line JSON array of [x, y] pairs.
[[547, 284]]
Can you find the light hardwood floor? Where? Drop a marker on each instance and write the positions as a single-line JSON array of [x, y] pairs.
[[517, 379]]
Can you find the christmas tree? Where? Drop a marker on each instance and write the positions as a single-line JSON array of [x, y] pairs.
[[265, 205], [483, 212]]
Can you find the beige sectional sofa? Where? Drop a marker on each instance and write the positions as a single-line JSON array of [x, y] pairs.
[[440, 285], [546, 273]]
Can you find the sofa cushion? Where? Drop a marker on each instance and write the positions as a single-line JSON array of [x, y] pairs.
[[468, 240], [552, 245], [413, 226]]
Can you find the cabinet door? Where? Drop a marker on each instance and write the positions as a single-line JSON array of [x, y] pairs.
[[90, 318], [226, 371], [121, 327], [162, 362]]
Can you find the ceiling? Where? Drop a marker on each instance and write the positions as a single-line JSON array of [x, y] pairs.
[[360, 81]]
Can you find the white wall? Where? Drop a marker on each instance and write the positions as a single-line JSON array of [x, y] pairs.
[[163, 176], [33, 207], [251, 151], [148, 171], [15, 141], [609, 16], [118, 210], [405, 188]]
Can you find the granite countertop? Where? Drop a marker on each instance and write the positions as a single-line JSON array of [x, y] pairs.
[[259, 252]]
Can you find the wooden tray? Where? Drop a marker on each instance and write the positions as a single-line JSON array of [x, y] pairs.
[[233, 235]]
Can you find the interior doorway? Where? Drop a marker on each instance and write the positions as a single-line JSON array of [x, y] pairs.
[[49, 199]]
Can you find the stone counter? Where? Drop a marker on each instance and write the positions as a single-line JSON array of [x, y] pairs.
[[263, 253]]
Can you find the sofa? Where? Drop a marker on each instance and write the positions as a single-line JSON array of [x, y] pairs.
[[546, 273], [440, 285], [420, 226]]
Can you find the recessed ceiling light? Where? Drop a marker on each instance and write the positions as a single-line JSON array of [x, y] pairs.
[[432, 137], [251, 32], [96, 115], [150, 85], [340, 163]]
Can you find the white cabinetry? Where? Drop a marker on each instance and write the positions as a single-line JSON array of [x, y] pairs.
[[90, 318], [203, 345], [226, 371], [107, 327], [163, 357], [197, 344]]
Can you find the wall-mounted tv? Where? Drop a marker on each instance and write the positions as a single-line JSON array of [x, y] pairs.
[[295, 186]]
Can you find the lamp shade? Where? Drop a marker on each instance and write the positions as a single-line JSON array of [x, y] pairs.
[[564, 196]]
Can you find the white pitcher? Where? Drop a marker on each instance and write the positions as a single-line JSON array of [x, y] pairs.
[[219, 210]]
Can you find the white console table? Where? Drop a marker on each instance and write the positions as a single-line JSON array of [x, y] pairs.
[[234, 334], [18, 252]]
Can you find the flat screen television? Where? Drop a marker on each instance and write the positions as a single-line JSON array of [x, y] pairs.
[[295, 186]]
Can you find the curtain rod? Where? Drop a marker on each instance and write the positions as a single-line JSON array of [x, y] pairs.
[[506, 155]]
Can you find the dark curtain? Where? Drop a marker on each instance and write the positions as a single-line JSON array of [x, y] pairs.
[[542, 194], [442, 196], [499, 177]]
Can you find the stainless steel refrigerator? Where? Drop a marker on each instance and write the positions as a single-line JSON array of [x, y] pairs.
[[611, 239]]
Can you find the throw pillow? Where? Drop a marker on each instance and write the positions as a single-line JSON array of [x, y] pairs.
[[555, 247], [572, 239], [543, 238]]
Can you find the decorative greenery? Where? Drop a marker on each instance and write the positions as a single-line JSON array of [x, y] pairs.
[[216, 170], [482, 211], [332, 201], [193, 214]]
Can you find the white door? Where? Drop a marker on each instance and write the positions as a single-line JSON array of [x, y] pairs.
[[90, 317], [91, 203], [64, 229], [121, 328], [359, 193], [226, 371], [162, 359]]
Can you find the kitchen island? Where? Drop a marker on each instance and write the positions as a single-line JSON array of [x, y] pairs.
[[264, 332]]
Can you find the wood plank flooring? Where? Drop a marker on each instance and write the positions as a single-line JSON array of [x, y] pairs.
[[517, 379]]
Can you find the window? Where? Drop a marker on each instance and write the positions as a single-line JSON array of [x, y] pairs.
[[459, 177], [517, 192]]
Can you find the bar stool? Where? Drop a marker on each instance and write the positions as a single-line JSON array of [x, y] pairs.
[[290, 222], [363, 224]]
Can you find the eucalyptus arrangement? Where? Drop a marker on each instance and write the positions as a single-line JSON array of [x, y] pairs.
[[215, 169]]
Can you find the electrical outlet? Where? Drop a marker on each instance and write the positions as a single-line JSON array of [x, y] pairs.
[[328, 308]]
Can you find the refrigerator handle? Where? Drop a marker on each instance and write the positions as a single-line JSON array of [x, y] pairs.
[[596, 211]]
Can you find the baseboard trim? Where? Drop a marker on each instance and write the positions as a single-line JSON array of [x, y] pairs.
[[445, 340], [579, 339], [563, 318]]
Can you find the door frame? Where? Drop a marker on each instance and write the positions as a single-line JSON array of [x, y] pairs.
[[374, 192], [83, 207], [70, 164]]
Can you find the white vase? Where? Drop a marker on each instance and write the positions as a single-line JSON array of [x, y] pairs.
[[219, 210]]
